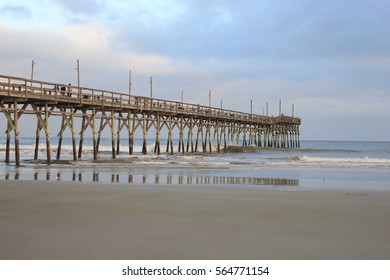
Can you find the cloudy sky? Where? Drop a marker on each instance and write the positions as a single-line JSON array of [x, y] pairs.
[[330, 58]]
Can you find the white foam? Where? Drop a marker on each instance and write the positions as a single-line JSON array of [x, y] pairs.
[[342, 162]]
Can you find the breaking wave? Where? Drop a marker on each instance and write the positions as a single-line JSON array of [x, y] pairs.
[[360, 162]]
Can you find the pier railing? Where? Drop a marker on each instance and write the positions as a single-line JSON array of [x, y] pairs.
[[15, 87]]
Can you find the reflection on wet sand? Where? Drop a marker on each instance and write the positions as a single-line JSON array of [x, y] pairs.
[[155, 179]]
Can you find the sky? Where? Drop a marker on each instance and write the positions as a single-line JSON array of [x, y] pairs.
[[330, 58]]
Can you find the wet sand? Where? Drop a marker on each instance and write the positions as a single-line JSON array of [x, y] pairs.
[[47, 220]]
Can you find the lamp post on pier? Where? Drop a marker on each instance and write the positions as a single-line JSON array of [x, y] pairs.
[[32, 69], [130, 82], [78, 75], [151, 86], [280, 107], [292, 115]]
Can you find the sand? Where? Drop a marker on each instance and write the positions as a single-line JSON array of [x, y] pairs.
[[46, 220]]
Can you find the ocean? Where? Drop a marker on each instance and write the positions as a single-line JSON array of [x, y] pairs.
[[333, 165]]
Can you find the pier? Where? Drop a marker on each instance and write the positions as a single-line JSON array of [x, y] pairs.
[[200, 128]]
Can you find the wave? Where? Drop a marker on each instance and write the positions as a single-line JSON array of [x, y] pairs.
[[312, 150], [341, 162]]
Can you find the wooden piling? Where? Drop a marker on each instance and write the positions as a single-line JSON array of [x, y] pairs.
[[197, 137], [82, 135], [111, 123], [181, 136], [47, 134], [16, 134], [218, 130], [8, 139], [95, 153], [101, 127], [190, 136], [60, 134], [72, 128], [144, 134], [118, 137], [38, 131], [131, 136], [208, 131], [8, 144], [158, 131], [170, 133]]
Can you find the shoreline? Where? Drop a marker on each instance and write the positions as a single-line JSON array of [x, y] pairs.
[[71, 220]]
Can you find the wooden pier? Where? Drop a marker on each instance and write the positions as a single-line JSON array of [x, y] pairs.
[[200, 128]]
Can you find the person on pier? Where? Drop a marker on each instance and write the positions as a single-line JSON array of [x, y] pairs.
[[69, 90], [63, 89]]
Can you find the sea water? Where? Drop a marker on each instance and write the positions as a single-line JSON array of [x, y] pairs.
[[334, 165]]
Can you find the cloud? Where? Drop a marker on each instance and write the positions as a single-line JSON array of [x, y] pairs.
[[260, 30], [88, 8], [15, 12]]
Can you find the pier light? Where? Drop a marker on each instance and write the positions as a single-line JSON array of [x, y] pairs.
[[280, 107], [32, 69], [78, 74], [130, 82], [292, 114], [151, 86]]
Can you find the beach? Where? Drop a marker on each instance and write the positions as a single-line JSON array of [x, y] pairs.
[[75, 220]]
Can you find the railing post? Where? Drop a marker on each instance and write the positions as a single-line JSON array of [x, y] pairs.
[[25, 89], [79, 95], [9, 86]]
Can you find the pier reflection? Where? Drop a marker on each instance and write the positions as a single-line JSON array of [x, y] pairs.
[[146, 179]]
